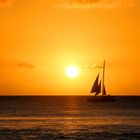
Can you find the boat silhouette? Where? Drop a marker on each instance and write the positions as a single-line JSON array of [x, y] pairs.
[[99, 87]]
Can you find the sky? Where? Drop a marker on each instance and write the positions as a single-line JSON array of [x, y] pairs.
[[39, 39]]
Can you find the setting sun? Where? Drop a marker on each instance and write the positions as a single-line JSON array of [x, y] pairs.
[[72, 71]]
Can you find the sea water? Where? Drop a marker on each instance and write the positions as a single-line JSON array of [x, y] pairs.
[[68, 117]]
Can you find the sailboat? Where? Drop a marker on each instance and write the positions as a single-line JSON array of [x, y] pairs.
[[99, 87]]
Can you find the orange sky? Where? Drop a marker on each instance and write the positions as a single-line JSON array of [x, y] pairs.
[[40, 38]]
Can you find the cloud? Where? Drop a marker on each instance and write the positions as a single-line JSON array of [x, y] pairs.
[[92, 66], [26, 65], [10, 63], [31, 66], [6, 3], [94, 4]]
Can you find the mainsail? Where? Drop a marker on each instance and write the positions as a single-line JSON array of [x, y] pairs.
[[96, 88]]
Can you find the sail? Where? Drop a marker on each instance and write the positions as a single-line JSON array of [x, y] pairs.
[[96, 88], [99, 89], [104, 90]]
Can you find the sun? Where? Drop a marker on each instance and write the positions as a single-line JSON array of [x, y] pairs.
[[72, 71]]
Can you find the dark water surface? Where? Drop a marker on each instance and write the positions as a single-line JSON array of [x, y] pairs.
[[68, 117]]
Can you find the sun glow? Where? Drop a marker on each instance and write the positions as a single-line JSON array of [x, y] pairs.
[[72, 71]]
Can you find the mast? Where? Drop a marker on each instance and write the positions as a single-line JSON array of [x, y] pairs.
[[103, 86]]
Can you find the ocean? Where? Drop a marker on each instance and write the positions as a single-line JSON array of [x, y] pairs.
[[69, 117]]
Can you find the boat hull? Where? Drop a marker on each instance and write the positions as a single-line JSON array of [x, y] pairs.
[[101, 99]]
